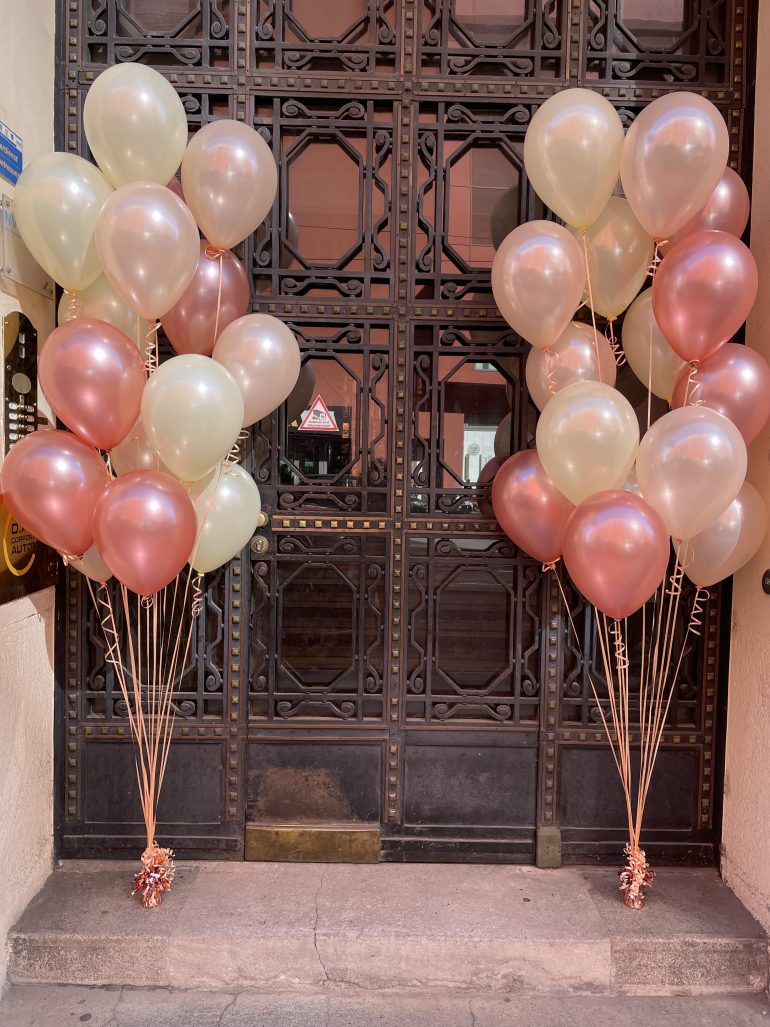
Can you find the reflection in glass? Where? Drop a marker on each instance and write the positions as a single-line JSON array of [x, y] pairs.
[[317, 605], [657, 24], [490, 22], [324, 20], [483, 185], [157, 17]]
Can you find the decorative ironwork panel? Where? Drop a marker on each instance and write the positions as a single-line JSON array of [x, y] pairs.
[[482, 38], [473, 649], [469, 409], [168, 34], [318, 610], [359, 36]]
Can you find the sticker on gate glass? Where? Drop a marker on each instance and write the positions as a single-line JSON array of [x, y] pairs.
[[318, 418]]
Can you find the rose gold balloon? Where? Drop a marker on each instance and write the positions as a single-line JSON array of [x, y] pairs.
[[616, 550], [145, 527], [736, 382], [262, 354], [148, 245], [538, 276], [217, 295], [93, 376], [529, 508], [671, 160], [726, 210], [690, 467], [487, 475], [51, 481], [572, 358], [728, 542], [702, 293]]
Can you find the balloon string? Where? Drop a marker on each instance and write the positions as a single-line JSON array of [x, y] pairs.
[[693, 385], [702, 596], [151, 347], [214, 253], [652, 267], [73, 308], [649, 375], [235, 450], [551, 363], [614, 341], [591, 304]]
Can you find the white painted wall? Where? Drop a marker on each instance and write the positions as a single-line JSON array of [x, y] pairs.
[[746, 829], [26, 626]]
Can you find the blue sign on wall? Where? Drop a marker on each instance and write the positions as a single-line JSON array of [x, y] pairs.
[[10, 154]]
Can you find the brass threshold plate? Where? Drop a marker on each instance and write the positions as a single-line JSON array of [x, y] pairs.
[[309, 843]]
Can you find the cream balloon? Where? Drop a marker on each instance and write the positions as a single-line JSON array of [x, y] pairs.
[[690, 467], [100, 301], [229, 179], [503, 437], [672, 159], [56, 204], [580, 354], [639, 334], [587, 438], [728, 542], [92, 565], [135, 125], [148, 244], [572, 154], [228, 511], [619, 255], [192, 412], [136, 453], [263, 356], [538, 276]]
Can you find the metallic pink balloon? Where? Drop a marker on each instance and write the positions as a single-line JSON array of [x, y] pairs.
[[726, 210], [580, 354], [51, 481], [219, 284], [736, 382], [529, 508], [145, 527], [616, 550], [702, 293], [93, 376]]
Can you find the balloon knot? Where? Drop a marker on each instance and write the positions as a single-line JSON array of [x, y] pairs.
[[214, 252]]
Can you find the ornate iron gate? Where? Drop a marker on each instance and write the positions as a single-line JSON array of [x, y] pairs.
[[382, 655]]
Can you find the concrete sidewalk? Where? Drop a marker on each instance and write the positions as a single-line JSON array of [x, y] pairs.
[[311, 927], [56, 1006]]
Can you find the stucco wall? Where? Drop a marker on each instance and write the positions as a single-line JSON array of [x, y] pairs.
[[26, 626], [746, 831]]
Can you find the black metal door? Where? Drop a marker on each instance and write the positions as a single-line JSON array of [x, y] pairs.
[[382, 656]]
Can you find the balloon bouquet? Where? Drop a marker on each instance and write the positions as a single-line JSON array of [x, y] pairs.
[[591, 491], [147, 480]]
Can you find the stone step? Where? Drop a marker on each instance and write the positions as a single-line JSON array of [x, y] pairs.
[[305, 927]]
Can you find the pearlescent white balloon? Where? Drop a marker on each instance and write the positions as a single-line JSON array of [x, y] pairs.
[[228, 509]]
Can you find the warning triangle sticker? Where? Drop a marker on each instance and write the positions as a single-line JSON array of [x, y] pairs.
[[318, 418]]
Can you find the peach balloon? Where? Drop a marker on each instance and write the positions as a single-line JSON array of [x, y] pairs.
[[728, 542], [726, 210], [646, 349], [580, 354], [619, 255]]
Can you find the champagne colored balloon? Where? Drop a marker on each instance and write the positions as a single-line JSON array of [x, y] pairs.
[[728, 542], [572, 358], [616, 550], [572, 154], [136, 453], [529, 508], [93, 376], [217, 295], [619, 255], [672, 159], [262, 354], [100, 302], [640, 333], [145, 528], [230, 179], [538, 276], [587, 438], [690, 467], [228, 511], [56, 204], [148, 245], [736, 382], [502, 443], [92, 566], [51, 481], [192, 412], [135, 125], [726, 210], [702, 293]]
